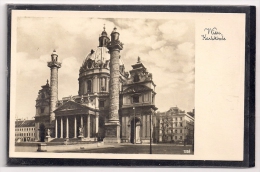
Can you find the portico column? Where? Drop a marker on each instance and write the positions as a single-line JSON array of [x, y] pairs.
[[38, 134], [97, 122], [107, 84], [98, 86], [56, 128], [75, 127], [81, 125], [61, 128], [88, 125], [67, 128]]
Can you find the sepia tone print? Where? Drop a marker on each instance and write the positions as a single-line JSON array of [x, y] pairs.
[[121, 85], [105, 85]]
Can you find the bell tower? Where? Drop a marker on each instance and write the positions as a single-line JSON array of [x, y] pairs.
[[103, 39], [54, 65]]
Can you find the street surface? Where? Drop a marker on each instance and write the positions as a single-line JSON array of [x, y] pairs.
[[111, 148], [138, 149]]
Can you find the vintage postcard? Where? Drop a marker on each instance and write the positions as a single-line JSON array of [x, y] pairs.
[[127, 85]]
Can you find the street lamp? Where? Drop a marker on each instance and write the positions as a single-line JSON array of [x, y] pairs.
[[134, 122], [150, 133]]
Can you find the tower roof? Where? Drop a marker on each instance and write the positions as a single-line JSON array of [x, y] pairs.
[[54, 52], [104, 33], [138, 64]]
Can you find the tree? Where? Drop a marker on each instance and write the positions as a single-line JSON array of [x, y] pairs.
[[166, 126]]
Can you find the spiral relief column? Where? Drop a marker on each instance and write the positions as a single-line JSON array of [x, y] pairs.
[[54, 65], [113, 125]]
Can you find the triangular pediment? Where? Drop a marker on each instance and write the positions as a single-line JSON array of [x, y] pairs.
[[137, 89], [71, 105]]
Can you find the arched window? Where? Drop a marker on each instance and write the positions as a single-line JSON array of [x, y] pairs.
[[136, 78], [89, 86]]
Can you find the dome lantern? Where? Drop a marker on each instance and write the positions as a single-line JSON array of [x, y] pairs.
[[103, 39]]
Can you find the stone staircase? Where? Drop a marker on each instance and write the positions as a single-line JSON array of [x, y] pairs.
[[71, 141]]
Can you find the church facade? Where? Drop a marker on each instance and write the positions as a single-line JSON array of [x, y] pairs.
[[112, 105]]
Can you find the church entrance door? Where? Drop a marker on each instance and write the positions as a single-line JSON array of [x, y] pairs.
[[135, 131], [42, 132]]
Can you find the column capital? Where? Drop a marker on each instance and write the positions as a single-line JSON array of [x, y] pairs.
[[115, 46]]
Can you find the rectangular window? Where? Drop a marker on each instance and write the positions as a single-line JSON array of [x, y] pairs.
[[101, 103], [42, 110], [175, 137], [135, 99], [180, 131], [180, 118], [181, 124], [89, 86], [146, 97], [103, 84], [176, 131], [181, 137]]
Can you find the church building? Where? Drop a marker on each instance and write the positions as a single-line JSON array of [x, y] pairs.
[[112, 105]]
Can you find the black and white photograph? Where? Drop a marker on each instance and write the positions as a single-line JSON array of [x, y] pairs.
[[105, 85], [127, 85]]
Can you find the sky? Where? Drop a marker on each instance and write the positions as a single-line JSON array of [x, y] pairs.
[[165, 46]]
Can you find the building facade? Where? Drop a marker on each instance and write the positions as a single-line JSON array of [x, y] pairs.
[[138, 105], [112, 104], [174, 126], [42, 116], [24, 130]]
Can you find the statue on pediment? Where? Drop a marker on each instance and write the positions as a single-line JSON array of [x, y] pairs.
[[71, 98], [82, 99], [88, 98]]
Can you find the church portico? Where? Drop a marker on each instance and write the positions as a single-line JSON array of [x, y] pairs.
[[77, 122]]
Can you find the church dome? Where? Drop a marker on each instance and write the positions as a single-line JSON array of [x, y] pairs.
[[96, 59]]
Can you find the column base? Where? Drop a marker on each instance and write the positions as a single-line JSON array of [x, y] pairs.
[[112, 133], [42, 147]]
